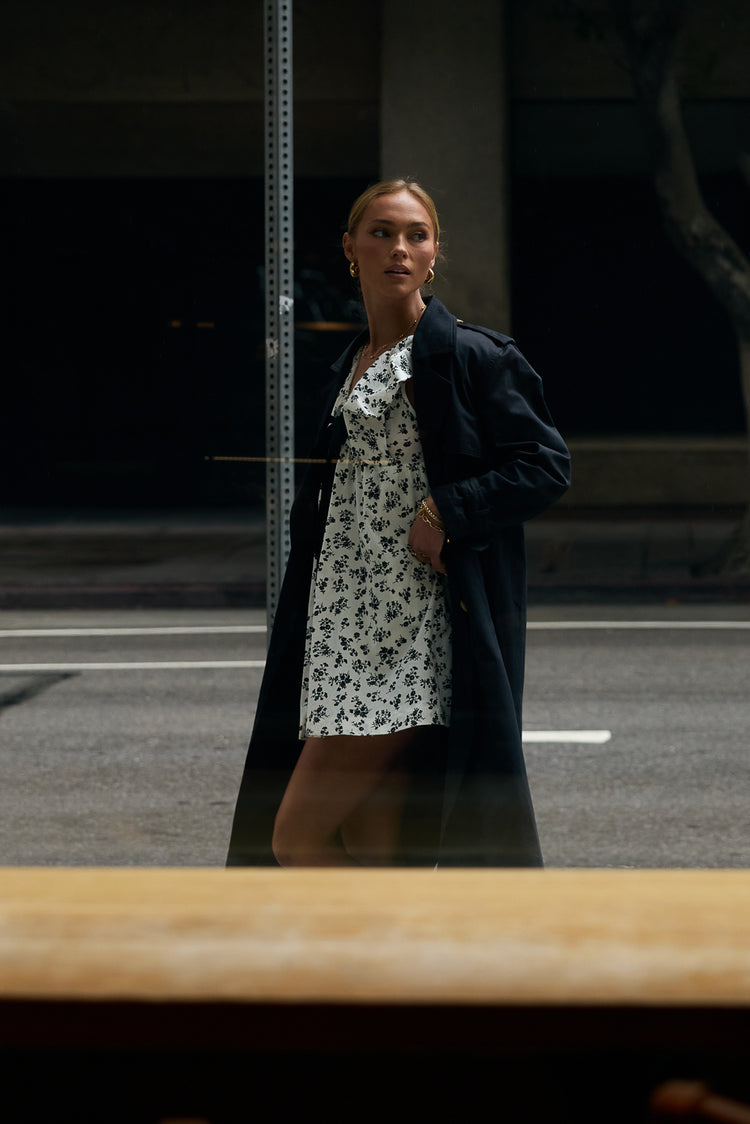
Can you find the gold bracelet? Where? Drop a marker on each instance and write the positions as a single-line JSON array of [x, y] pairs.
[[431, 518], [429, 513]]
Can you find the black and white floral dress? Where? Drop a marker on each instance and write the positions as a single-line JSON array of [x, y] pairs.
[[378, 645]]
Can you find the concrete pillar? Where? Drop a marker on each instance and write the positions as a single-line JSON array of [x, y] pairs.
[[444, 123]]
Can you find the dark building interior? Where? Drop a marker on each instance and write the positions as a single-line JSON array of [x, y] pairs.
[[134, 259]]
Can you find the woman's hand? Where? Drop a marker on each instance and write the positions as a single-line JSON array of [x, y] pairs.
[[426, 542]]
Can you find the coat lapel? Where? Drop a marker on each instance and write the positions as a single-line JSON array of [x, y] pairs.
[[432, 355]]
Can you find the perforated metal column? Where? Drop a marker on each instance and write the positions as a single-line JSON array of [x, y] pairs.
[[279, 293]]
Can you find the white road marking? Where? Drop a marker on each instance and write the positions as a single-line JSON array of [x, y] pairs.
[[582, 737], [635, 625], [165, 630], [135, 665], [589, 737], [247, 629]]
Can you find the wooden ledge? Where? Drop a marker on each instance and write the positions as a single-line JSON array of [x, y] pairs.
[[467, 937]]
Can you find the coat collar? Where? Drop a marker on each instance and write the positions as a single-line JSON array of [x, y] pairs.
[[436, 331], [435, 335]]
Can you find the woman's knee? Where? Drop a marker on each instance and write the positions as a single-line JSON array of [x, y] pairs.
[[293, 846], [284, 844]]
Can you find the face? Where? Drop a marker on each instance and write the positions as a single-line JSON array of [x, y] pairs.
[[394, 245]]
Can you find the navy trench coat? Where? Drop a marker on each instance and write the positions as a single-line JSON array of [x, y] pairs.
[[494, 459]]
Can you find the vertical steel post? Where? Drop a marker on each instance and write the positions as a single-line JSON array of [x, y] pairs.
[[279, 216]]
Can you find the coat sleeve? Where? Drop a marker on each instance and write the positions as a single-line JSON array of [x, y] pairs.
[[524, 465]]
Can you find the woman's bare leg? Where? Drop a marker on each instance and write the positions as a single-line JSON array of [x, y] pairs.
[[333, 779], [371, 833]]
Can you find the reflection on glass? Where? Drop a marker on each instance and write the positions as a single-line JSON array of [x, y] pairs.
[[388, 728]]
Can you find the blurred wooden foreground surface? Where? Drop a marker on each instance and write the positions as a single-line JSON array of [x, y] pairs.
[[374, 936], [556, 997]]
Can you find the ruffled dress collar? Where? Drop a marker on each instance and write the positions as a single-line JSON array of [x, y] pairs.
[[379, 384]]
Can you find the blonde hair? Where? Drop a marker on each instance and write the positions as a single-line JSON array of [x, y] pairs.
[[390, 187]]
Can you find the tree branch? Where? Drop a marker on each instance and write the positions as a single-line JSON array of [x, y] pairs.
[[650, 31]]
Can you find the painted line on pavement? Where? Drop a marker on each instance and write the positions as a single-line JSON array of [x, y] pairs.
[[135, 665], [582, 737], [156, 630], [635, 625], [588, 737], [249, 629]]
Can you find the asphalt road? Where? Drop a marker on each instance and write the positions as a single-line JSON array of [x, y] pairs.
[[123, 734]]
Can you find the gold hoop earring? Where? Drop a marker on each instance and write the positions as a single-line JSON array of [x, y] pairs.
[[430, 276], [354, 269]]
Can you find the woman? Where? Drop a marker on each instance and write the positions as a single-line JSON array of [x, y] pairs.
[[401, 622]]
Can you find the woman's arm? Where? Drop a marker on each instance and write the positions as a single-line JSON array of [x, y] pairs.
[[527, 462]]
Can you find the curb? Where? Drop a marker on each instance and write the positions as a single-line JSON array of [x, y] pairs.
[[252, 595], [249, 595], [693, 592]]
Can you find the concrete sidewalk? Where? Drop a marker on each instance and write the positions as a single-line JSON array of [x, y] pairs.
[[216, 558]]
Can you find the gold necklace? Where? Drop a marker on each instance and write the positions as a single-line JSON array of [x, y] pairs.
[[371, 354]]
